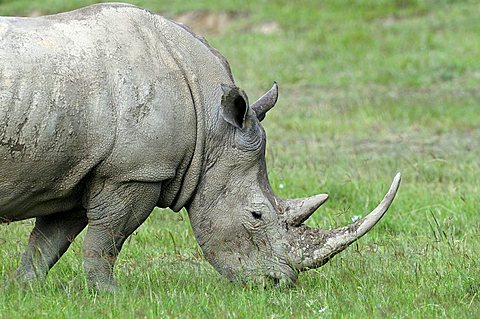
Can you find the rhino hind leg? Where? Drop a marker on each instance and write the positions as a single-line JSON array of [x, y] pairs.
[[114, 213], [49, 239]]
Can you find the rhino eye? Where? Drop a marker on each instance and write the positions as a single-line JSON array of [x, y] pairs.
[[257, 215]]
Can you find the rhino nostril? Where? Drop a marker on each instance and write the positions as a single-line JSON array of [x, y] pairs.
[[257, 215], [275, 280]]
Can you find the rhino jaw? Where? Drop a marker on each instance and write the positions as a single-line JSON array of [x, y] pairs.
[[312, 248]]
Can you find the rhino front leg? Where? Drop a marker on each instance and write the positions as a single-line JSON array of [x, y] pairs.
[[49, 239], [114, 213]]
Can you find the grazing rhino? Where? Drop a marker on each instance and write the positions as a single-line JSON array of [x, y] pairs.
[[111, 110]]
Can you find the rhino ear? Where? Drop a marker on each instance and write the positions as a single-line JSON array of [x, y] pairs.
[[234, 105]]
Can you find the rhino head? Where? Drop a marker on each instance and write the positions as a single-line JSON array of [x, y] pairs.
[[244, 230]]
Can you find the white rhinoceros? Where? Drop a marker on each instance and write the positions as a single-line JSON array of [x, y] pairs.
[[111, 110]]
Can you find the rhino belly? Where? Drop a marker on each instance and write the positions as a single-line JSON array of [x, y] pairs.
[[31, 190]]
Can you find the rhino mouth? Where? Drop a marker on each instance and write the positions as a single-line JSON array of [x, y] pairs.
[[276, 274], [287, 277]]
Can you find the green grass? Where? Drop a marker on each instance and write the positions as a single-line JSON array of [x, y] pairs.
[[367, 89]]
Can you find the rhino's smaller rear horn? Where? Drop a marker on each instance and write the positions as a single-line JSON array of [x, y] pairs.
[[266, 102], [299, 210]]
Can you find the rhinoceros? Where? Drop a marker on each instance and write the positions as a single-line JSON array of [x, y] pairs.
[[111, 110]]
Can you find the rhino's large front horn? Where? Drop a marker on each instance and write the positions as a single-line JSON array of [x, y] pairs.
[[266, 102], [312, 248]]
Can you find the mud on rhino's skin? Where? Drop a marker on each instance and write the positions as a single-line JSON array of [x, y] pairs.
[[109, 111]]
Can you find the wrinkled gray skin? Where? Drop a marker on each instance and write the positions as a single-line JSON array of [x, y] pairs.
[[109, 111]]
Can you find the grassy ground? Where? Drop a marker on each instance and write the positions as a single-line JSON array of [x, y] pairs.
[[367, 89]]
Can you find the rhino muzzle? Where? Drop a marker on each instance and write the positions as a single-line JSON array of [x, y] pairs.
[[311, 248]]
